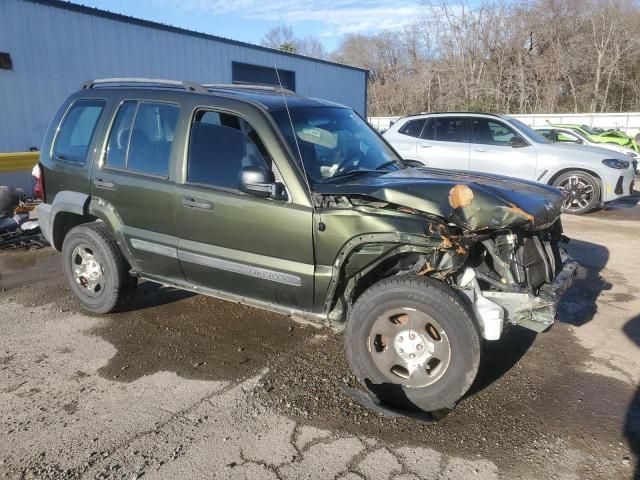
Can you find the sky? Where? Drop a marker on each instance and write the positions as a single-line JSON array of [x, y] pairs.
[[249, 20]]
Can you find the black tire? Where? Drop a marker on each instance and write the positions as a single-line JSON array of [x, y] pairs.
[[439, 302], [117, 285], [575, 202]]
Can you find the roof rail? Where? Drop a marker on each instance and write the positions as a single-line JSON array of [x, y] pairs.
[[189, 86], [248, 86]]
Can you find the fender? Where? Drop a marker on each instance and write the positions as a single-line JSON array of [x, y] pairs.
[[389, 245], [64, 201], [105, 211]]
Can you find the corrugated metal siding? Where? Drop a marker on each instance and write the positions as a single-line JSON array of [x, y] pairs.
[[55, 49]]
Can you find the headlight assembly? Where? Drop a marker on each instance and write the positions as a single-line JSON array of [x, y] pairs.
[[615, 163]]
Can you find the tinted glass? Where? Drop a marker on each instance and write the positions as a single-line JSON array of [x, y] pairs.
[[412, 128], [429, 131], [449, 129], [530, 133], [77, 131], [334, 142], [119, 136], [152, 137], [489, 132], [220, 146]]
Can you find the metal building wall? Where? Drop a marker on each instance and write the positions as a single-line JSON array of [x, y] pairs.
[[55, 49]]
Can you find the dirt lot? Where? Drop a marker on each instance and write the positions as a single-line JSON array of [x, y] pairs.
[[184, 386]]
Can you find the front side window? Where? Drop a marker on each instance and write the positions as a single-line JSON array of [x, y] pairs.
[[412, 128], [567, 137], [490, 132], [142, 136], [76, 131], [334, 142], [449, 129], [220, 145]]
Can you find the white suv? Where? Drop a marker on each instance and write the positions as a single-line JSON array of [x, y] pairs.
[[500, 144]]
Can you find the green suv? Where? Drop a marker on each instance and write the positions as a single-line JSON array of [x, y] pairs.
[[260, 196]]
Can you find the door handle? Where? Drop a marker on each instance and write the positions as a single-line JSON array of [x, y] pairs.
[[479, 149], [426, 145], [100, 183], [191, 202]]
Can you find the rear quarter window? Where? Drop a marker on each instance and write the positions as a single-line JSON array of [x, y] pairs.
[[77, 131]]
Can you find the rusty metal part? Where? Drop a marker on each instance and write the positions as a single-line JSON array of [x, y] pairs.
[[460, 196]]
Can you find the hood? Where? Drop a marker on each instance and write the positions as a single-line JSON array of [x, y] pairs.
[[470, 200], [584, 153]]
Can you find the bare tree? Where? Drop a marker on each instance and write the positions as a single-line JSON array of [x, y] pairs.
[[282, 38], [527, 57]]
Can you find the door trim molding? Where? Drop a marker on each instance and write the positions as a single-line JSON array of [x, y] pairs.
[[241, 268], [154, 248]]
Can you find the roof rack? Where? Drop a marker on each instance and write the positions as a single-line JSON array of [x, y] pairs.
[[248, 86], [189, 86]]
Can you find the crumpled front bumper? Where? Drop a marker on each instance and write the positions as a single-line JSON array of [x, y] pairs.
[[494, 309]]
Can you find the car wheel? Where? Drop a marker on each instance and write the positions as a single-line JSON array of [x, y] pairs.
[[581, 192], [95, 268], [413, 342]]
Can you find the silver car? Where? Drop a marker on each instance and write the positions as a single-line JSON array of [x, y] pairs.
[[500, 144]]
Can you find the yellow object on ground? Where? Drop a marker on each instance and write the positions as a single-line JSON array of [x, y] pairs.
[[18, 161]]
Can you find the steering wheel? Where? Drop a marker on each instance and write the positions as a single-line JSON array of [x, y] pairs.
[[342, 167]]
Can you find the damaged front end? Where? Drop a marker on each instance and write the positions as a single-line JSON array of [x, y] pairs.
[[517, 278], [497, 241]]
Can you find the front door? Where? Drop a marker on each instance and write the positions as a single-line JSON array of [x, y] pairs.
[[444, 143], [234, 242], [492, 150]]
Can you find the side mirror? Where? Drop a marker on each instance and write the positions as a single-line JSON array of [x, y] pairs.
[[260, 182], [518, 142]]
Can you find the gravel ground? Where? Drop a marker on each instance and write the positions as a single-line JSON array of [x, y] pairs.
[[185, 386]]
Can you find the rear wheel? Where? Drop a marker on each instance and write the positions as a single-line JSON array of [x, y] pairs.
[[580, 190], [95, 268], [413, 343]]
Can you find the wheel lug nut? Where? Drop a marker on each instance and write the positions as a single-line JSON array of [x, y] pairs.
[[413, 355], [419, 346], [400, 351], [412, 336]]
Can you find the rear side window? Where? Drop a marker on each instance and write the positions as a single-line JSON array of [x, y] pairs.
[[449, 129], [222, 144], [429, 131], [412, 128], [142, 136], [77, 130]]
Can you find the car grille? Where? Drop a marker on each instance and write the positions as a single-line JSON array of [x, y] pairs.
[[535, 262]]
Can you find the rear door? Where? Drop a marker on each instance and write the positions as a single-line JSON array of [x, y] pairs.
[[492, 152], [234, 242], [444, 143], [132, 176], [406, 139]]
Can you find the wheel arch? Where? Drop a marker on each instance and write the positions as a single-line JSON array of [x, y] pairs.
[[555, 176], [410, 254]]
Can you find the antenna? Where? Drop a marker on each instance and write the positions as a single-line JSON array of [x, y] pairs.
[[295, 138]]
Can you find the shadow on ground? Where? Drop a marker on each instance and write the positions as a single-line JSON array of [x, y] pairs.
[[632, 422], [194, 336]]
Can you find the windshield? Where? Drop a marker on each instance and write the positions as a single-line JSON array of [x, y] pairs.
[[528, 131], [334, 142]]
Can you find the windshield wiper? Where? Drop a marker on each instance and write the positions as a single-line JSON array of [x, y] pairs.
[[390, 162], [348, 173]]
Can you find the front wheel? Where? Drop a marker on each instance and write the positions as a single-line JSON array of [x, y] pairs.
[[413, 342], [581, 192]]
